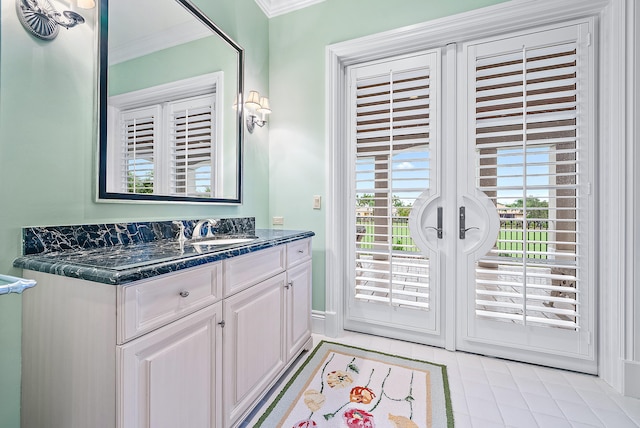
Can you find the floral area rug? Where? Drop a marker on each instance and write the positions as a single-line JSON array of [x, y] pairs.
[[341, 386]]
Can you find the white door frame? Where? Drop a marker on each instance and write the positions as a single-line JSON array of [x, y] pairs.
[[612, 89]]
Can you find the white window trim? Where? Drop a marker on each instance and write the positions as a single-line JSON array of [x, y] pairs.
[[180, 89], [616, 75]]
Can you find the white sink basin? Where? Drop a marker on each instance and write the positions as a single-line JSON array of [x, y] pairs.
[[223, 241]]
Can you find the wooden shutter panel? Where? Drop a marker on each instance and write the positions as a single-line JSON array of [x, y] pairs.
[[394, 123], [527, 120], [191, 142], [139, 136]]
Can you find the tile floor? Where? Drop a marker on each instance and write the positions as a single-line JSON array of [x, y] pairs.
[[489, 392]]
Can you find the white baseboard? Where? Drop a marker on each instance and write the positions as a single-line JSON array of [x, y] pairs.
[[632, 379], [318, 322]]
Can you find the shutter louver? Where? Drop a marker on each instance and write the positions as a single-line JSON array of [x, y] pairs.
[[191, 138], [393, 122], [526, 115]]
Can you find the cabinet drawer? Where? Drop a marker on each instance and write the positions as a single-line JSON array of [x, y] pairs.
[[147, 305], [298, 252], [244, 271]]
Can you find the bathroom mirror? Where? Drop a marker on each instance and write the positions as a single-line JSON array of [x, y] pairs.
[[170, 81]]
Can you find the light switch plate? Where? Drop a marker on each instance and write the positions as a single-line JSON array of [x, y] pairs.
[[317, 202]]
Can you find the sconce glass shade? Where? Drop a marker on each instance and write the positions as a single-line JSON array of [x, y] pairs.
[[253, 101], [86, 4], [265, 108], [255, 105]]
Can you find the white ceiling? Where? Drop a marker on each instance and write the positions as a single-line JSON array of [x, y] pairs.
[[273, 8], [131, 35]]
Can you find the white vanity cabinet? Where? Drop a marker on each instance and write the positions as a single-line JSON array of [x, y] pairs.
[[266, 324], [298, 297], [253, 345], [171, 377], [196, 348]]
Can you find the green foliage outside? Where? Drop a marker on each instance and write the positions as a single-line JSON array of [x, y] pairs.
[[536, 208], [402, 240], [140, 184], [367, 200]]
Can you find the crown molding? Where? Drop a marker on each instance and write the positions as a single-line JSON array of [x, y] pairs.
[[273, 8]]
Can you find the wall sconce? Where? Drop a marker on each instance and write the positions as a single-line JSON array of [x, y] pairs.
[[42, 20], [255, 105]]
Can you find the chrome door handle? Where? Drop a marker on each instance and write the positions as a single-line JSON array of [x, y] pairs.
[[462, 221], [439, 228]]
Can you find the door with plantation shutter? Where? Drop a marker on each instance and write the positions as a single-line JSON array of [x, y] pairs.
[[515, 175], [527, 292], [393, 285]]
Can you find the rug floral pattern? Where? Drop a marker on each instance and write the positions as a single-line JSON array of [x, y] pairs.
[[362, 389]]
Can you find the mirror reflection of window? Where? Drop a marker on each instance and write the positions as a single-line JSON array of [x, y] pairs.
[[166, 143]]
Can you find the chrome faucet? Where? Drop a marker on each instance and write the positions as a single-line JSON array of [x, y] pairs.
[[197, 229], [181, 237]]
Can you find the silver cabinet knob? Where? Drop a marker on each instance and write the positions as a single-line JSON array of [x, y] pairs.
[[184, 293]]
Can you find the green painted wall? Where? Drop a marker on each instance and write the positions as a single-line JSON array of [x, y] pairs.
[[48, 131], [297, 76], [48, 149]]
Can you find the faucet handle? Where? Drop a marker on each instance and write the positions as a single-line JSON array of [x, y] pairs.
[[211, 224], [181, 236]]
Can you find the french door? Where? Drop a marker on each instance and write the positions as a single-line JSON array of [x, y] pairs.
[[394, 159], [474, 204]]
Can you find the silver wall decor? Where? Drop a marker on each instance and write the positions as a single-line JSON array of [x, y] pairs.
[[42, 20]]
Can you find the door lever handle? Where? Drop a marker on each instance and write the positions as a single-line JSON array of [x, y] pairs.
[[462, 219], [439, 228]]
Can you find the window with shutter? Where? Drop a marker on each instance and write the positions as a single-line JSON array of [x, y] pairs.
[[531, 163], [393, 129]]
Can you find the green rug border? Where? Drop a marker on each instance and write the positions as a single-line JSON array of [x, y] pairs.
[[443, 368]]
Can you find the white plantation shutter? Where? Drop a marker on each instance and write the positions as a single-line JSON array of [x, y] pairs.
[[165, 138], [139, 136], [531, 153], [394, 123], [191, 142]]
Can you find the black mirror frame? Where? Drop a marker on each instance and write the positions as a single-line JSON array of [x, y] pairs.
[[103, 195]]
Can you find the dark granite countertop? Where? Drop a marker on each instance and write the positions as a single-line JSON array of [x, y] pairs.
[[121, 264]]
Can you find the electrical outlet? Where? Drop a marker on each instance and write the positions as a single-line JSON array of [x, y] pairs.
[[317, 202], [278, 221]]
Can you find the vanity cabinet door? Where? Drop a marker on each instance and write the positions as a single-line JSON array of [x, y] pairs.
[[253, 344], [171, 377], [298, 306]]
